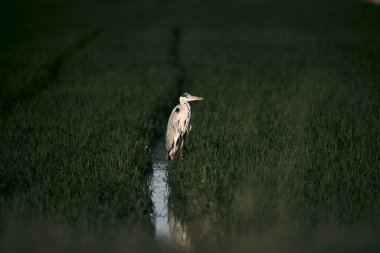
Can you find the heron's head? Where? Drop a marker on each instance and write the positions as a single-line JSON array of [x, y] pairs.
[[186, 97]]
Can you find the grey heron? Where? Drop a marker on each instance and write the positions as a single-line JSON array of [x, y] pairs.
[[179, 125]]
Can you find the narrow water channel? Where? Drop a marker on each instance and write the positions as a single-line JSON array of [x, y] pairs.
[[160, 191], [168, 227]]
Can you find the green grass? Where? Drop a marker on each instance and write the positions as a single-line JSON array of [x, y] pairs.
[[288, 139], [285, 149], [77, 127]]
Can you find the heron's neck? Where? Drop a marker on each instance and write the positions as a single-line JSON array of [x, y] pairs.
[[185, 104], [182, 101]]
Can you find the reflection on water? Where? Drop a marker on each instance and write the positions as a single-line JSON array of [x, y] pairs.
[[160, 200], [168, 226], [178, 231]]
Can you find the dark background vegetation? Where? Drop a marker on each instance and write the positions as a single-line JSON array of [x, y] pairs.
[[283, 156]]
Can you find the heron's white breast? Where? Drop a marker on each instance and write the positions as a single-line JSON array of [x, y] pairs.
[[185, 115]]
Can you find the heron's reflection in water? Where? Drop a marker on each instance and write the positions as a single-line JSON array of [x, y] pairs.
[[190, 232], [158, 184], [178, 231], [168, 226], [181, 227]]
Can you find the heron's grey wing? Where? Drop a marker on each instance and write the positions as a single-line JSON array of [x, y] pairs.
[[173, 130]]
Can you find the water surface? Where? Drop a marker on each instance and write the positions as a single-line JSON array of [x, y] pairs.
[[167, 226]]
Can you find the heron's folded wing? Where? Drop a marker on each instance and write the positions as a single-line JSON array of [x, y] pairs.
[[173, 130]]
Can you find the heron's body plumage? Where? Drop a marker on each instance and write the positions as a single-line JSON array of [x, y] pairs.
[[179, 125]]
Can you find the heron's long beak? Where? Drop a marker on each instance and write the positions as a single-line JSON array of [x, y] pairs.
[[196, 98]]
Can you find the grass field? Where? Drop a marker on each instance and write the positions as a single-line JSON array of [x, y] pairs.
[[288, 141], [80, 106], [283, 156]]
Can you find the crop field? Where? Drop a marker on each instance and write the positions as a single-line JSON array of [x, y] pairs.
[[284, 155]]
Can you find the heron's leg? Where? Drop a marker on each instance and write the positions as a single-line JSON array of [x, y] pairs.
[[173, 153], [181, 150], [170, 154]]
